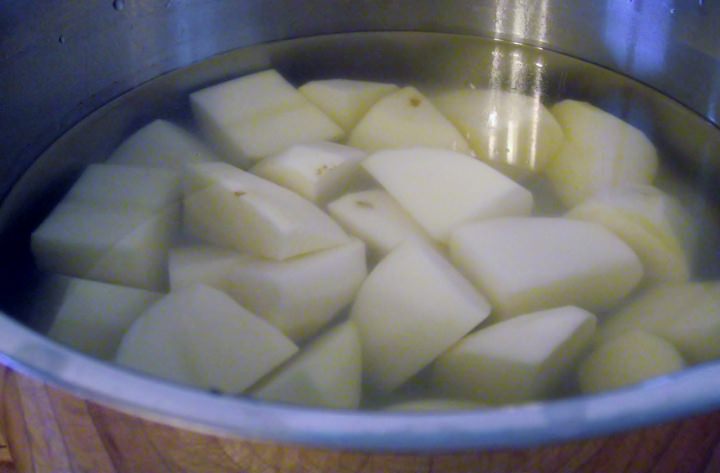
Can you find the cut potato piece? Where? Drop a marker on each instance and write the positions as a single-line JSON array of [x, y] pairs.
[[628, 359], [600, 150], [316, 171], [687, 315], [114, 245], [127, 186], [412, 307], [259, 115], [516, 360], [376, 218], [528, 264], [515, 133], [326, 373], [430, 405], [201, 336], [442, 189], [650, 221], [91, 316], [344, 100], [406, 118], [236, 209], [200, 264], [299, 295], [161, 145]]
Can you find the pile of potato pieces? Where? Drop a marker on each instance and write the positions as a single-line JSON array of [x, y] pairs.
[[270, 260]]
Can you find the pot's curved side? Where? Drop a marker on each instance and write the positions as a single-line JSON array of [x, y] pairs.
[[51, 430]]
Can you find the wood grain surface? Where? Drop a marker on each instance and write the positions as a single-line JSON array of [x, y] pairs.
[[44, 430]]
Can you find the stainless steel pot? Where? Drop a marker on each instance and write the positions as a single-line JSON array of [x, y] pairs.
[[59, 61]]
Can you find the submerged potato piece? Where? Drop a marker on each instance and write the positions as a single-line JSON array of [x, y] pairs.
[[630, 358], [528, 264], [654, 225], [126, 186], [300, 295], [326, 373], [200, 264], [376, 218], [442, 189], [516, 360], [434, 404], [317, 171], [91, 316], [345, 100], [685, 314], [515, 133], [413, 306], [259, 115], [406, 118], [117, 245], [202, 337], [232, 208], [600, 150], [161, 145]]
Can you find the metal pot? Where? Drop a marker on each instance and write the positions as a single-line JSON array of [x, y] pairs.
[[62, 60]]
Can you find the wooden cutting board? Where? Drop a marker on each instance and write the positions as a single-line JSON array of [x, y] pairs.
[[45, 430]]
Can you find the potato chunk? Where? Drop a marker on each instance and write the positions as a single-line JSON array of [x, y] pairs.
[[413, 306], [236, 209], [528, 264], [259, 115], [516, 360], [600, 150], [91, 316], [345, 101], [326, 373], [161, 145], [513, 132], [442, 189], [406, 118], [654, 225], [317, 171], [299, 295], [202, 337], [376, 218], [685, 314], [628, 359]]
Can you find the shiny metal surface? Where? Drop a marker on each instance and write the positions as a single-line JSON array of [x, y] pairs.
[[59, 61]]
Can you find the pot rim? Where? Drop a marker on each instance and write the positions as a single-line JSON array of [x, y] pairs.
[[691, 391]]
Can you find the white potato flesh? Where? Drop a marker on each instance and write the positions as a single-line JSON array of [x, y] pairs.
[[344, 100], [127, 186], [90, 316], [200, 264], [300, 295], [210, 339], [515, 133], [259, 115], [326, 373], [653, 223], [442, 189], [412, 307], [685, 314], [516, 360], [600, 150], [376, 218], [406, 118], [630, 358], [317, 171], [232, 208], [529, 264], [161, 144], [113, 245]]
